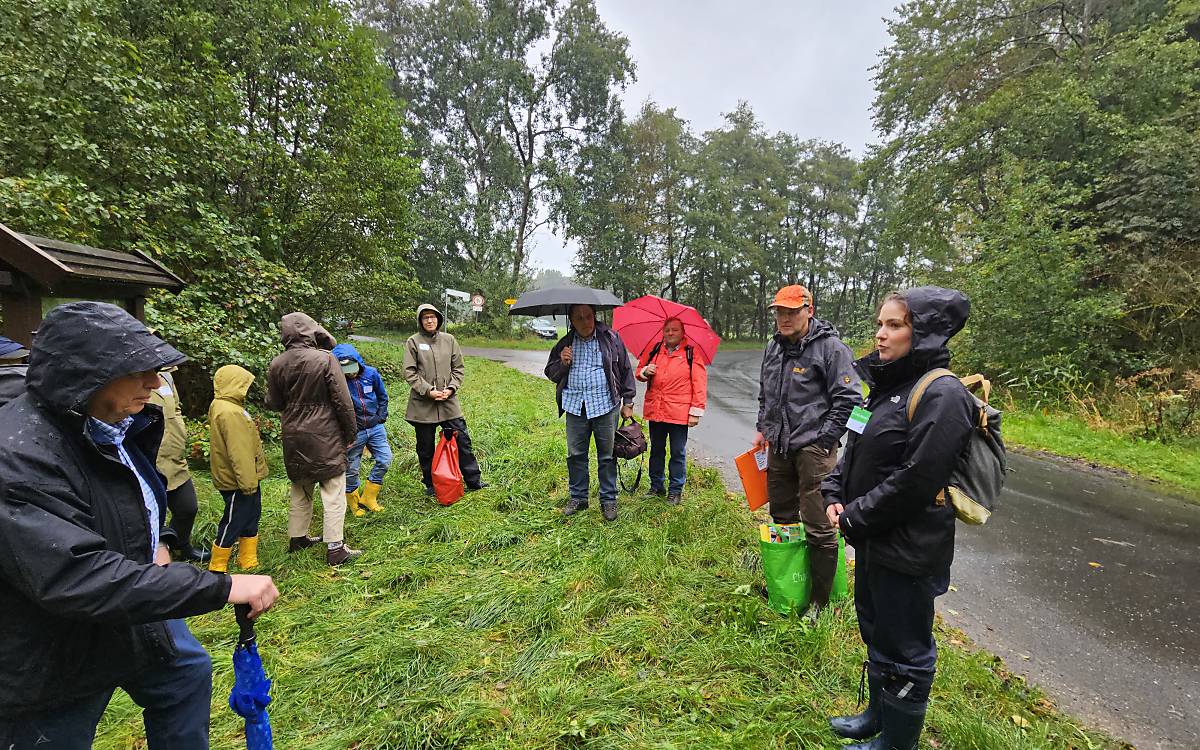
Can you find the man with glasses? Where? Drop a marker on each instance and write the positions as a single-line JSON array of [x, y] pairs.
[[90, 598], [807, 389]]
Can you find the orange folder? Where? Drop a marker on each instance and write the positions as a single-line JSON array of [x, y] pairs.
[[754, 479]]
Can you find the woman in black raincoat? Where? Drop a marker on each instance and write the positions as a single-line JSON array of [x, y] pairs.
[[884, 498]]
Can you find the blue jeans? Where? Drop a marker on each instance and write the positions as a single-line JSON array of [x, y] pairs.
[[678, 433], [374, 438], [580, 431], [175, 699]]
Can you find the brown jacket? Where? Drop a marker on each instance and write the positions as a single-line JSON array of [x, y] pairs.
[[306, 384], [432, 363], [235, 448], [172, 452]]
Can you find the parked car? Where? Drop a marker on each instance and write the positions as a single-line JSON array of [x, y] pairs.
[[543, 328]]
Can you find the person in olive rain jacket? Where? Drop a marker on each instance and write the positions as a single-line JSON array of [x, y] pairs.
[[886, 496], [238, 465], [89, 598], [172, 463], [433, 367]]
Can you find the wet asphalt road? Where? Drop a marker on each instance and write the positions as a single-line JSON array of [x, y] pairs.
[[1086, 583]]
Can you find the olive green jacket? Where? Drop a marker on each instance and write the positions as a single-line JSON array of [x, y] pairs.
[[172, 453], [432, 363]]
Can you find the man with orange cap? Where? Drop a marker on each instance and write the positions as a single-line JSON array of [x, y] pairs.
[[807, 389]]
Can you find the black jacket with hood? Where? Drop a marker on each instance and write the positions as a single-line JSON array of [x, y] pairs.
[[81, 601], [888, 477], [806, 390]]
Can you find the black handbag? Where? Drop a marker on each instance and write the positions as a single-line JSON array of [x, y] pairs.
[[630, 441], [629, 444]]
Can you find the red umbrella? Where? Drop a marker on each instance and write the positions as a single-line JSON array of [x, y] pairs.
[[640, 323]]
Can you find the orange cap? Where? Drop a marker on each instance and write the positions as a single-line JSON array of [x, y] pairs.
[[793, 296]]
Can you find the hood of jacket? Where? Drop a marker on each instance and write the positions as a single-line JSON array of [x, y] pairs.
[[937, 314], [343, 351], [232, 383], [82, 346], [299, 331], [421, 310]]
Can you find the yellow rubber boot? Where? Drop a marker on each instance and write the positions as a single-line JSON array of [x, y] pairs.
[[248, 552], [369, 495], [219, 562], [352, 501]]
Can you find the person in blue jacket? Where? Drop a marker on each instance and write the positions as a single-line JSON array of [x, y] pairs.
[[370, 398]]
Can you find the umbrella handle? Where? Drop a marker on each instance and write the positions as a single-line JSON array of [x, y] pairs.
[[242, 613]]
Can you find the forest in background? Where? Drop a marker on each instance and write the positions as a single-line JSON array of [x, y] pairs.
[[351, 159]]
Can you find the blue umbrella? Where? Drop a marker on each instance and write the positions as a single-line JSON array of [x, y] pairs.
[[251, 688]]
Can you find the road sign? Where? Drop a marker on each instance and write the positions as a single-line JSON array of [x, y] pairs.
[[477, 302], [510, 301]]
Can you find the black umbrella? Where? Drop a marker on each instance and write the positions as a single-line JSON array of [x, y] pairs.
[[557, 301]]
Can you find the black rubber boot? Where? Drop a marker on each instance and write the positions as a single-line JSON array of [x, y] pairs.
[[822, 565], [867, 724], [194, 554], [902, 724]]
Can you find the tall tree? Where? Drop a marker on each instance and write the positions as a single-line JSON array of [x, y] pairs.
[[501, 95]]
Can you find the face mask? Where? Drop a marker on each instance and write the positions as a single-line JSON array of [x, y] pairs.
[[350, 368]]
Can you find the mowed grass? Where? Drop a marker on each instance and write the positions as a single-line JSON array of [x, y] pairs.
[[497, 623]]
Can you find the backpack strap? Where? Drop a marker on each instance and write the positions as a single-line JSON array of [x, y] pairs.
[[688, 350], [918, 390], [653, 353], [985, 385]]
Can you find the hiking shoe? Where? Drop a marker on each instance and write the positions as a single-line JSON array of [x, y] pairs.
[[340, 554], [609, 510], [297, 543], [657, 491], [674, 498], [480, 486], [429, 492], [574, 507]]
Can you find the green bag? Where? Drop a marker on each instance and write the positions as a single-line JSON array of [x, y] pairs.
[[841, 582], [785, 567]]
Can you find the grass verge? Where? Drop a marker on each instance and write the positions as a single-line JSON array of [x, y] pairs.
[[1175, 465], [497, 623]]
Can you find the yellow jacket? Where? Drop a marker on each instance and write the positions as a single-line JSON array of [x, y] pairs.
[[235, 450]]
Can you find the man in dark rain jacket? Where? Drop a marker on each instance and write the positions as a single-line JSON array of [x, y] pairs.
[[89, 600], [807, 391]]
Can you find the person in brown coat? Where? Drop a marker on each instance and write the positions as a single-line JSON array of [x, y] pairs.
[[306, 384]]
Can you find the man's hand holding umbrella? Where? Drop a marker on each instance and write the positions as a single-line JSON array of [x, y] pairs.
[[258, 592]]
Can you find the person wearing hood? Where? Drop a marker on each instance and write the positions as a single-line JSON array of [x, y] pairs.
[[173, 465], [675, 398], [370, 398], [886, 497], [807, 390], [90, 597], [238, 464], [12, 369], [594, 384], [306, 384], [433, 367]]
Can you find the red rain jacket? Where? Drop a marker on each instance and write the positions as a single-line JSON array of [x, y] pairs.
[[676, 391]]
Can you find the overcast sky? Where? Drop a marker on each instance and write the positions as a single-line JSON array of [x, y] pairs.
[[803, 65]]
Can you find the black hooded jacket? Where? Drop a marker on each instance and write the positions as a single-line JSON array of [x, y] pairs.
[[888, 477], [81, 602]]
